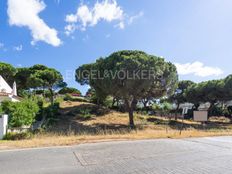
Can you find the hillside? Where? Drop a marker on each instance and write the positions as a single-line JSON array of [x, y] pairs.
[[88, 118], [79, 122]]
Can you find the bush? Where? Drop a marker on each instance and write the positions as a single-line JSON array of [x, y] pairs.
[[216, 111], [18, 136], [108, 102], [227, 112], [21, 113], [68, 97], [163, 108], [52, 110], [59, 100], [85, 113], [69, 90]]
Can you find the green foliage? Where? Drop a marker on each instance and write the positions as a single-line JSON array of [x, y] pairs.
[[46, 78], [162, 108], [18, 136], [52, 110], [96, 98], [228, 88], [179, 95], [7, 71], [210, 91], [85, 113], [166, 106], [22, 78], [108, 102], [69, 90], [229, 108], [20, 113], [68, 97], [59, 100], [156, 107], [217, 111], [1, 111], [24, 93]]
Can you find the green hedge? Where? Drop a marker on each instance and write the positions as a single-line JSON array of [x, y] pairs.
[[21, 113]]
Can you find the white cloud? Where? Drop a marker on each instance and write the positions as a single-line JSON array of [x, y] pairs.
[[25, 13], [18, 48], [133, 18], [198, 69], [120, 25], [70, 28], [107, 10]]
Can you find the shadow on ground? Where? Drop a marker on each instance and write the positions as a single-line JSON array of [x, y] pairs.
[[72, 119], [178, 124]]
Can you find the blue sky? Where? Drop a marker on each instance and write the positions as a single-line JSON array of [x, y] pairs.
[[194, 34]]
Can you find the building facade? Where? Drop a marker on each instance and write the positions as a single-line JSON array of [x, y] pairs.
[[6, 92]]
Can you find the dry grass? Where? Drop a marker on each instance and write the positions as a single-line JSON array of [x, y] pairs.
[[47, 140], [114, 126]]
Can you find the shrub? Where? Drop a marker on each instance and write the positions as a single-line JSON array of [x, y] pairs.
[[163, 108], [18, 136], [216, 111], [108, 102], [52, 110], [156, 107], [69, 90], [68, 97], [85, 113], [59, 100], [21, 113]]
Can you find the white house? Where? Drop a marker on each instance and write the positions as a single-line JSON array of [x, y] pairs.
[[6, 92]]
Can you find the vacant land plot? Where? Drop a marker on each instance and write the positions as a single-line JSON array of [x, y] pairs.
[[80, 122]]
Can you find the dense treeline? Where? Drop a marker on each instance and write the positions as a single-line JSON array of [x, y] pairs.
[[216, 92], [37, 77]]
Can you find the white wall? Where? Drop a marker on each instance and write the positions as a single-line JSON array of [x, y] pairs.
[[3, 125]]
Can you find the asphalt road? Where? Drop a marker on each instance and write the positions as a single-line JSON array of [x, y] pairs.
[[162, 156]]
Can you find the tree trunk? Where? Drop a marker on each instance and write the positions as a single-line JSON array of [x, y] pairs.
[[178, 106], [210, 108], [131, 117], [117, 103], [130, 108], [196, 105], [52, 96]]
